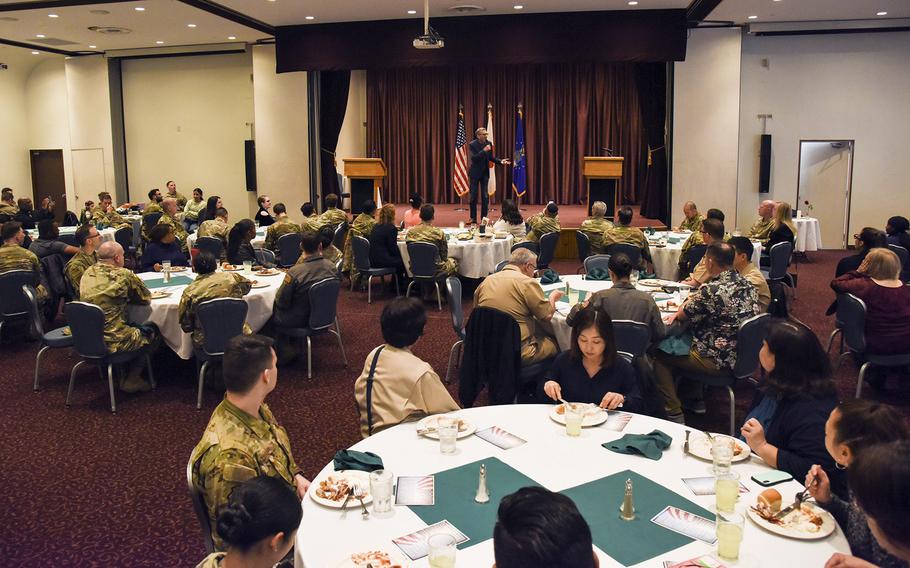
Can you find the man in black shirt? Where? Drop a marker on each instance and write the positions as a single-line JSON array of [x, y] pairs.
[[480, 154]]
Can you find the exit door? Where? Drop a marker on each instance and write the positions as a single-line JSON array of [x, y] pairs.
[[48, 179]]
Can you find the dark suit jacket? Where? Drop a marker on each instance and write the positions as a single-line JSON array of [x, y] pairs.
[[479, 168]]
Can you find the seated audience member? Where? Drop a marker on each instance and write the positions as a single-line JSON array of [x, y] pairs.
[[742, 262], [169, 217], [898, 232], [622, 301], [292, 303], [713, 314], [412, 215], [263, 217], [258, 525], [212, 204], [105, 215], [208, 285], [13, 256], [384, 251], [309, 218], [786, 424], [113, 288], [783, 230], [761, 229], [362, 226], [537, 527], [592, 371], [47, 244], [85, 216], [46, 211], [282, 226], [26, 213], [243, 440], [547, 221], [867, 239], [162, 247], [852, 428], [329, 251], [712, 231], [887, 300], [154, 203], [514, 290], [425, 232], [332, 216], [624, 233], [192, 210], [595, 226], [8, 206], [511, 221], [217, 227], [691, 218], [89, 240], [172, 193], [396, 384], [240, 238], [695, 239]]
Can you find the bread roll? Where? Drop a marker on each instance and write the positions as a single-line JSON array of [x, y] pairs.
[[769, 501]]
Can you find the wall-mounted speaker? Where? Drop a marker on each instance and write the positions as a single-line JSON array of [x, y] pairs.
[[249, 158], [764, 164]]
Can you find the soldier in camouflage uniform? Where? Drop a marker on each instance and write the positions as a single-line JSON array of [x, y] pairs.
[[329, 251], [282, 226], [362, 227], [217, 227], [425, 232], [105, 215], [243, 440], [624, 233], [208, 285], [547, 221], [332, 216], [154, 203], [595, 226], [113, 288], [310, 218], [13, 256], [8, 207], [173, 194], [761, 229], [696, 239], [691, 218], [168, 218], [89, 239]]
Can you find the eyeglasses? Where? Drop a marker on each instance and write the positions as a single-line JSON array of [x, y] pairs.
[[857, 237]]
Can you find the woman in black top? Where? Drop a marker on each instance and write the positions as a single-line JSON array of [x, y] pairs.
[[592, 371], [867, 239], [880, 484], [211, 206], [263, 217], [384, 251]]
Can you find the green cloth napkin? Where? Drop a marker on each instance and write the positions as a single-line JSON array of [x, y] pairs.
[[649, 445], [598, 273], [352, 459], [550, 276], [175, 281]]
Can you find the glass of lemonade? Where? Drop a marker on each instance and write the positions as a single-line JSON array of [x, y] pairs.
[[572, 295], [726, 491], [722, 454], [381, 489], [441, 551], [447, 430], [575, 415], [729, 535]]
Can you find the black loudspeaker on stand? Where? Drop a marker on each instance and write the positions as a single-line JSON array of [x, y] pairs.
[[764, 164]]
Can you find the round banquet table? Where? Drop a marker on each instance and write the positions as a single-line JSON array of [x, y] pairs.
[[556, 462], [257, 242], [476, 259], [106, 234], [666, 259], [808, 234], [163, 312]]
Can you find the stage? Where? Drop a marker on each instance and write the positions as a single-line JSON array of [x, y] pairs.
[[570, 216]]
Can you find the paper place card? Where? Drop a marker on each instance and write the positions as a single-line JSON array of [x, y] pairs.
[[617, 421], [414, 545], [705, 485], [416, 490], [706, 561], [500, 438], [687, 524]]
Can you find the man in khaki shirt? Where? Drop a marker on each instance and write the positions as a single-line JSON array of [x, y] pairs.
[[712, 231], [742, 262], [513, 290], [403, 386]]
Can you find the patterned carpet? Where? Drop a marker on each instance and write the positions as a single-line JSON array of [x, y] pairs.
[[82, 487]]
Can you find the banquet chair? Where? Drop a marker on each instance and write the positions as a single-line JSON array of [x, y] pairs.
[[221, 319], [199, 506], [341, 233], [583, 243], [288, 249], [53, 268], [632, 251], [54, 339], [696, 253], [500, 265], [596, 261], [751, 334], [779, 255], [13, 304], [265, 257], [904, 256], [323, 315], [548, 243], [633, 337], [526, 245], [150, 220], [453, 293], [87, 326], [423, 267], [361, 248], [851, 312], [211, 245], [124, 237]]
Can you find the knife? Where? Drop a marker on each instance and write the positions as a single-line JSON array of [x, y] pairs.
[[344, 506], [686, 443], [784, 512]]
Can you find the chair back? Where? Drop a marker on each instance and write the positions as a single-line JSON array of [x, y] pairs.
[[324, 303], [752, 333], [68, 239], [212, 245], [202, 512], [696, 253], [548, 243], [583, 243], [526, 245], [780, 260], [361, 248], [12, 301], [265, 256], [124, 237], [632, 337], [87, 325], [150, 220], [288, 249], [34, 312], [851, 315], [221, 319], [341, 233], [423, 259], [52, 266], [904, 256], [596, 261], [489, 359], [453, 291], [500, 265], [632, 251]]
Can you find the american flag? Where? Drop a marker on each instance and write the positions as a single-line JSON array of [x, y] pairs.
[[460, 175]]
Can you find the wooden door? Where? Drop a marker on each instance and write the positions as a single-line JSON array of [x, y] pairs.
[[48, 179]]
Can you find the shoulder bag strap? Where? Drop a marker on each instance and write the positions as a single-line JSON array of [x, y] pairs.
[[370, 391]]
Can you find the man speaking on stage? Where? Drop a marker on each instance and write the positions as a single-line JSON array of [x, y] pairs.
[[480, 152]]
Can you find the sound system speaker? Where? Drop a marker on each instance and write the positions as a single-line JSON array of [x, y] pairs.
[[249, 158], [764, 164]]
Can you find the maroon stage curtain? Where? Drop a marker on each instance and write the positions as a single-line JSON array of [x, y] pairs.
[[570, 111]]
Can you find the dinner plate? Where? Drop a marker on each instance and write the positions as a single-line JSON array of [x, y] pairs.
[[374, 558], [465, 429], [233, 268], [258, 284], [654, 282], [700, 447], [800, 531], [361, 478], [179, 268], [593, 416], [269, 272], [158, 294]]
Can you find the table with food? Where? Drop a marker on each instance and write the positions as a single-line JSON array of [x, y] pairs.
[[477, 253], [653, 492], [666, 248]]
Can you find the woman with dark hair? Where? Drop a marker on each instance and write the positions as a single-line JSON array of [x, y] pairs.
[[211, 208], [511, 220], [592, 371], [384, 251], [412, 215], [162, 247], [866, 240], [259, 525], [239, 248], [898, 231], [396, 385], [192, 210], [786, 424], [852, 428]]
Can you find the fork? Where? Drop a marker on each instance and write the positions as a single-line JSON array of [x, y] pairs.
[[358, 493]]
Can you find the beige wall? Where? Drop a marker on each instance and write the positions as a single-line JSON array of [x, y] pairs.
[[48, 118], [352, 140], [15, 170], [186, 119]]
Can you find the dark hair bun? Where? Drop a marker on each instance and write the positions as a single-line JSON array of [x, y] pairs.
[[233, 521]]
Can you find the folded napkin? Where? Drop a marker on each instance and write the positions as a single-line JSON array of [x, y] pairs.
[[678, 345], [649, 445], [549, 276], [352, 459], [598, 273]]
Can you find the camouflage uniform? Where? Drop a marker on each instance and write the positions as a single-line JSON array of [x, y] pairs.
[[112, 289], [177, 226], [7, 209], [181, 199], [761, 230], [103, 220], [77, 266], [14, 257], [153, 207], [541, 224], [332, 216], [237, 447], [631, 236], [310, 224], [595, 227], [426, 233], [209, 287], [278, 229], [213, 560], [693, 224], [362, 227], [214, 228]]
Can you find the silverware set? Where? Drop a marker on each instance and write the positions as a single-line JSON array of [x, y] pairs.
[[357, 492]]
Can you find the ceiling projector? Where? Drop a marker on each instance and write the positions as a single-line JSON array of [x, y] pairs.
[[431, 40]]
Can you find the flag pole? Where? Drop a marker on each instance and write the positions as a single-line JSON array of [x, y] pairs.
[[517, 196], [491, 196], [461, 206]]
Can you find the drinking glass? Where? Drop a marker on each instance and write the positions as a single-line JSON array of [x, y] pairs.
[[381, 489], [165, 266], [461, 224], [684, 291], [575, 415], [633, 277], [729, 535], [247, 267], [441, 551], [447, 430], [572, 295], [726, 491], [722, 454]]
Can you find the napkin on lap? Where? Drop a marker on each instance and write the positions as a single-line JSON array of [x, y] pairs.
[[549, 276], [352, 459], [649, 445]]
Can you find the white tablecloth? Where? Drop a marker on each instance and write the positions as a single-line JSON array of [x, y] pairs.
[[557, 462], [666, 259], [808, 234], [475, 259], [163, 312], [257, 242]]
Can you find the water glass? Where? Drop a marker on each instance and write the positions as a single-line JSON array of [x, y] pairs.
[[684, 291], [381, 489], [165, 266], [572, 294], [441, 550], [461, 224], [722, 454], [633, 277], [729, 535], [726, 491], [248, 267], [447, 430], [575, 415]]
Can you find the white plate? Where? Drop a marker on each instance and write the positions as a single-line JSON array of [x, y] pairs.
[[269, 272], [655, 282], [430, 422], [362, 478], [593, 416], [395, 558], [235, 269], [828, 524], [158, 295], [179, 268], [257, 284], [700, 447]]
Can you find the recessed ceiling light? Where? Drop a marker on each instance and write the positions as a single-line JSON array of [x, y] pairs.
[[93, 47], [310, 18], [412, 11], [140, 9], [159, 42], [881, 13], [633, 3], [191, 25], [39, 35], [272, 0], [753, 17], [518, 6], [232, 37], [36, 53], [53, 16]]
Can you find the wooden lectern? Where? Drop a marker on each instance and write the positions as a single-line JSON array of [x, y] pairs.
[[366, 178], [602, 175]]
